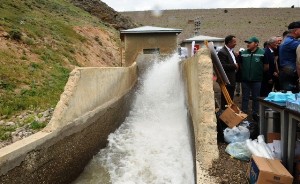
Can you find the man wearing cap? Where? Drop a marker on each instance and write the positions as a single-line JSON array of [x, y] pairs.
[[252, 64], [228, 61], [288, 56]]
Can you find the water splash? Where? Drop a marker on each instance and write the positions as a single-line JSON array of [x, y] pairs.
[[152, 146]]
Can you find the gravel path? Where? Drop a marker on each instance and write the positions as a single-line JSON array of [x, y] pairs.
[[226, 169]]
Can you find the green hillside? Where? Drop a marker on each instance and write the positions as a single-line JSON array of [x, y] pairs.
[[38, 49]]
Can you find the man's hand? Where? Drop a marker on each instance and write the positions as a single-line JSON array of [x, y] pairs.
[[270, 81], [275, 74]]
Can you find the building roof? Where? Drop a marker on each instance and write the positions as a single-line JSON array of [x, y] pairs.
[[203, 38], [151, 29]]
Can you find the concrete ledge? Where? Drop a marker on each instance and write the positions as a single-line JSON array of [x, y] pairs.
[[89, 87], [59, 153], [198, 73]]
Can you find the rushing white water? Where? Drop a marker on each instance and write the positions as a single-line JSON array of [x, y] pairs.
[[152, 146]]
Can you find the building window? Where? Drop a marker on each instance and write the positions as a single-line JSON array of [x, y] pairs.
[[151, 51]]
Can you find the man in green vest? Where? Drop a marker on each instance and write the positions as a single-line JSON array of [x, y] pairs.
[[252, 64]]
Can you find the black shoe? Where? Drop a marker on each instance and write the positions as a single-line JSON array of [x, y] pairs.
[[255, 117]]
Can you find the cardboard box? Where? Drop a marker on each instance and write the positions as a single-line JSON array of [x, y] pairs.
[[273, 141], [263, 171], [273, 136], [232, 116], [296, 171]]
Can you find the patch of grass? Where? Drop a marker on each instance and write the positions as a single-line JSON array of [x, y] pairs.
[[15, 34], [45, 82], [35, 65], [40, 115], [23, 57], [49, 55], [41, 94], [29, 119], [5, 132], [28, 41], [5, 85], [35, 125]]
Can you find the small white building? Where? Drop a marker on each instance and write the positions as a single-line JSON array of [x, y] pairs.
[[199, 42]]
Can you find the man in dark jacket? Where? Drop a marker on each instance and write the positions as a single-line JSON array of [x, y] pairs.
[[289, 69], [228, 61], [270, 75], [252, 64]]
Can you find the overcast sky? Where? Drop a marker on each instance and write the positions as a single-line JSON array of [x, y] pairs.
[[141, 5]]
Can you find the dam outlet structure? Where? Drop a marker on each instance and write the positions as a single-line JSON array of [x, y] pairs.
[[133, 124]]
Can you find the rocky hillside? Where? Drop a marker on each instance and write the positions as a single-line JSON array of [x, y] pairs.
[[105, 13], [40, 43]]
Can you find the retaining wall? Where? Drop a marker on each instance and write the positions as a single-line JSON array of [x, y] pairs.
[[95, 102], [197, 73]]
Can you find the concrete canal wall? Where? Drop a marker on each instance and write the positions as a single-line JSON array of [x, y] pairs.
[[95, 102], [197, 73]]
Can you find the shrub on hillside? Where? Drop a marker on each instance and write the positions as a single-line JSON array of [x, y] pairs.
[[15, 34]]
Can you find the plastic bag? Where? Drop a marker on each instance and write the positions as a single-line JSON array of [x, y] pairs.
[[236, 134], [259, 148], [252, 127], [280, 97], [238, 150]]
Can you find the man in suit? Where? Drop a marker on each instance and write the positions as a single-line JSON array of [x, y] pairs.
[[228, 60], [270, 75]]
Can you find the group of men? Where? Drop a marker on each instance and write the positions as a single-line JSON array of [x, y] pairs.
[[262, 70]]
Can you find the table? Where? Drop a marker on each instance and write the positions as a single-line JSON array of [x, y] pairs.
[[263, 125], [293, 119]]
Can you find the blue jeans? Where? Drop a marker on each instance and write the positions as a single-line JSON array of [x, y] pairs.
[[252, 88]]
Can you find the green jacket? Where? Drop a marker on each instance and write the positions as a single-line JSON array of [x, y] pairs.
[[252, 65]]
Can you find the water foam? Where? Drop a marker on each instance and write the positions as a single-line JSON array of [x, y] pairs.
[[152, 146]]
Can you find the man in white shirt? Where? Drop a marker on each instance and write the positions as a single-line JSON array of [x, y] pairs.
[[228, 60]]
